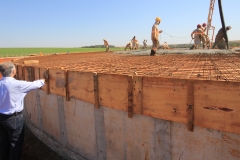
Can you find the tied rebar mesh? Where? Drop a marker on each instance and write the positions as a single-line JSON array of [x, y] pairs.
[[217, 67]]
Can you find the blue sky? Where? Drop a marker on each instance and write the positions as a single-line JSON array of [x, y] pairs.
[[76, 23]]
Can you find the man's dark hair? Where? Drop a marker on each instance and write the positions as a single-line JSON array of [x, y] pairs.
[[6, 69]]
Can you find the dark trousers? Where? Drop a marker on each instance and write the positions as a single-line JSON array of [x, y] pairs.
[[11, 136]]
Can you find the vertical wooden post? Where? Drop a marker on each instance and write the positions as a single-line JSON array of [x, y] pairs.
[[36, 73], [190, 103], [32, 74], [130, 97], [48, 82], [96, 93], [67, 86], [137, 94], [20, 72]]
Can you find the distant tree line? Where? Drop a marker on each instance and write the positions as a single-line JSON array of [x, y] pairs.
[[98, 46]]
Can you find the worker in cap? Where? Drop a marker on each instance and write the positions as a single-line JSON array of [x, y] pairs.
[[220, 40], [197, 36], [129, 45], [134, 43], [154, 36], [106, 44]]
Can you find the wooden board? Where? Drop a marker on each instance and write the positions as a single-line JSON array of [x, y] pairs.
[[137, 94], [113, 91], [20, 72], [217, 105], [36, 73], [46, 85], [28, 73], [165, 98], [190, 103], [81, 86], [96, 95], [31, 62], [57, 82], [130, 97]]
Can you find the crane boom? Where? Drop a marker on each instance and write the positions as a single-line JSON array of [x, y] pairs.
[[209, 21]]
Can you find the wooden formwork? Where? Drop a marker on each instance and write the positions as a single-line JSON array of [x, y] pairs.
[[205, 103]]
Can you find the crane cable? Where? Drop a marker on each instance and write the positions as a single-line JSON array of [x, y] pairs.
[[175, 36]]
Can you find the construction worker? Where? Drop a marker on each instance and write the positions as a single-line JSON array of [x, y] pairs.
[[144, 44], [134, 43], [106, 44], [154, 36], [204, 36], [219, 40], [129, 45], [165, 46], [197, 36]]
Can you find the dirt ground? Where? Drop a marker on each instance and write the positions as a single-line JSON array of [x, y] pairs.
[[221, 67], [34, 149]]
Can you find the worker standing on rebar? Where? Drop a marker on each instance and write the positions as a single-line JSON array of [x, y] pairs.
[[204, 36], [154, 36], [220, 40], [144, 44], [134, 43], [197, 36], [106, 44], [129, 45]]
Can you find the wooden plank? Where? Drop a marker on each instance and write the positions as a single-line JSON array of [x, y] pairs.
[[165, 98], [216, 105], [30, 62], [36, 73], [190, 103], [96, 95], [130, 97], [46, 85], [113, 91], [57, 82], [137, 94], [28, 73], [81, 86], [20, 72], [67, 87]]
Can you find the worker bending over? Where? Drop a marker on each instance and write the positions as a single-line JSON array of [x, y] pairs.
[[106, 44], [129, 45], [197, 35], [154, 36], [165, 46], [220, 40]]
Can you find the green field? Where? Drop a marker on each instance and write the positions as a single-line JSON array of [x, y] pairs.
[[14, 52]]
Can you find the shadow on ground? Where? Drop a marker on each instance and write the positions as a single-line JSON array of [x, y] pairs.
[[33, 148]]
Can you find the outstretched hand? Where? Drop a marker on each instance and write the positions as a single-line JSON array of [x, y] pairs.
[[45, 75]]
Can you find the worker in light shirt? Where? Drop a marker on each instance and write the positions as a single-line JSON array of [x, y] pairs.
[[154, 36], [197, 36], [12, 93], [105, 42]]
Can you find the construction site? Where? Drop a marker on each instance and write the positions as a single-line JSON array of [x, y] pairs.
[[179, 104]]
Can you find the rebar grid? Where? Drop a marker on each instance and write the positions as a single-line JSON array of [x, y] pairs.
[[220, 67]]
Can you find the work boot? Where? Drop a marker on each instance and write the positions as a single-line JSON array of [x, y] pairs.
[[152, 53], [191, 47]]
